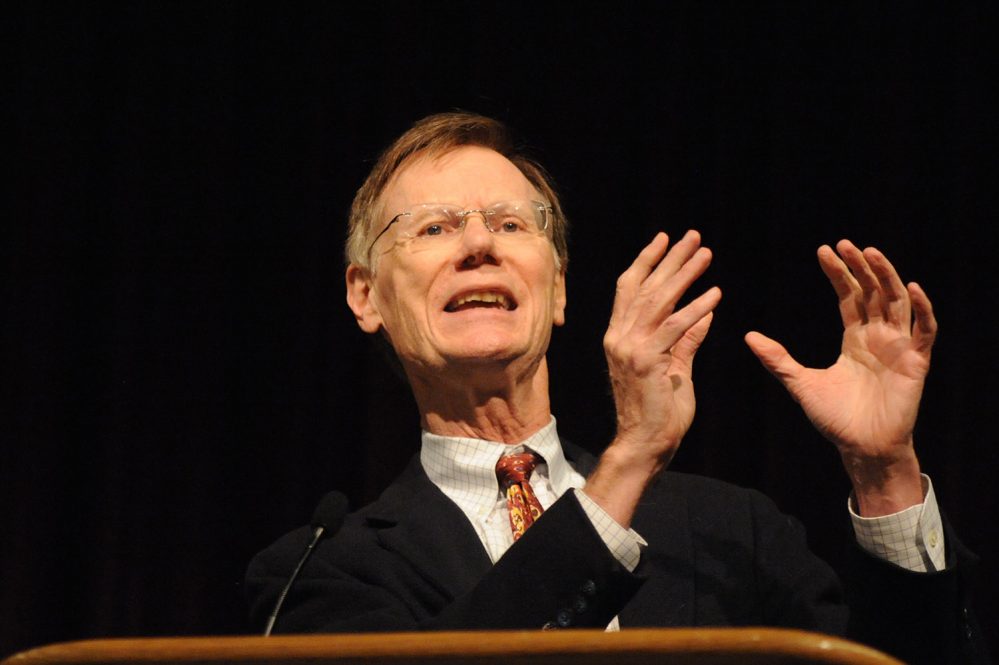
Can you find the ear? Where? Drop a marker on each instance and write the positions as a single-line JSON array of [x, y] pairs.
[[558, 317], [360, 301]]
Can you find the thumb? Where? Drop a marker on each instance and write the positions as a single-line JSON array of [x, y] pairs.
[[684, 350], [775, 358]]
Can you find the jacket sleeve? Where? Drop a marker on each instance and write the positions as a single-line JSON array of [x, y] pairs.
[[559, 574], [918, 617], [914, 616]]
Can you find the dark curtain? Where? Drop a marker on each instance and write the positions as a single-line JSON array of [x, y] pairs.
[[181, 380]]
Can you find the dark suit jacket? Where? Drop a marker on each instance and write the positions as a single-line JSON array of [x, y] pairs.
[[718, 555]]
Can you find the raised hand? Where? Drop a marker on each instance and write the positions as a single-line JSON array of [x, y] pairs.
[[866, 402], [650, 347]]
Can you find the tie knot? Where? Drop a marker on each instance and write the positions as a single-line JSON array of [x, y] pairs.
[[515, 469]]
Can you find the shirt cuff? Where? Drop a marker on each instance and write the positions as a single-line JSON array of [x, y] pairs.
[[625, 544], [912, 539]]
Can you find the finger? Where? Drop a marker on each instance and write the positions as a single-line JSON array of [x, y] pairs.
[[894, 296], [656, 302], [869, 286], [632, 278], [651, 289], [925, 331], [776, 359], [677, 257], [684, 350], [672, 330], [851, 308]]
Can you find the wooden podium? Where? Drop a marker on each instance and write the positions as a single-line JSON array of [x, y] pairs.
[[673, 646]]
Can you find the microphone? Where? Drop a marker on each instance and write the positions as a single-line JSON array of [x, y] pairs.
[[326, 520]]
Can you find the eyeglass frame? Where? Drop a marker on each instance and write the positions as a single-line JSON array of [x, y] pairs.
[[548, 210]]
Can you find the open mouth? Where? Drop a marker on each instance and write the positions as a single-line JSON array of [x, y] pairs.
[[481, 300]]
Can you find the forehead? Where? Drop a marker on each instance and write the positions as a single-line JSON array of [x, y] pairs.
[[468, 176]]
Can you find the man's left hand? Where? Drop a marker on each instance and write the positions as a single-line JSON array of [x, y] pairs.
[[866, 402]]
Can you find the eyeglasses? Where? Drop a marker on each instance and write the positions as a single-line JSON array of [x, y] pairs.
[[432, 224]]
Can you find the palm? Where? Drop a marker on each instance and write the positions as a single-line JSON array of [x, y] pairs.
[[868, 399]]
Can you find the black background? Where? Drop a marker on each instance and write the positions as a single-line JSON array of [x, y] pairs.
[[182, 380]]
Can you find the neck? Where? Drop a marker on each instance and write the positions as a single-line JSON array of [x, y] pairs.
[[491, 407]]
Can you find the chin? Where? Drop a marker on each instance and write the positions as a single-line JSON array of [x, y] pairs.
[[484, 350], [483, 355]]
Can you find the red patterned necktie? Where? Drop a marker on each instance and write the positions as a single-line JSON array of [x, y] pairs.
[[513, 472]]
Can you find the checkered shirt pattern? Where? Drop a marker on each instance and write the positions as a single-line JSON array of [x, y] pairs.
[[912, 538]]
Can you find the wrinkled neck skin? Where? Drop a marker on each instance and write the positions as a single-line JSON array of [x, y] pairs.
[[483, 401]]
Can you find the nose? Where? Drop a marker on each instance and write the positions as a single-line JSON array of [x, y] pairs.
[[478, 243]]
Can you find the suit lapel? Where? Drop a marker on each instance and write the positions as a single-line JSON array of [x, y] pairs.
[[416, 520]]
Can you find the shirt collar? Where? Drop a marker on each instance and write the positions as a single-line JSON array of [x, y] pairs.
[[465, 468]]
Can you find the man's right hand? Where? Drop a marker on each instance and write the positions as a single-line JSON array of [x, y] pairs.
[[650, 347]]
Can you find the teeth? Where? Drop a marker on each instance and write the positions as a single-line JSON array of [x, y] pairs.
[[483, 296]]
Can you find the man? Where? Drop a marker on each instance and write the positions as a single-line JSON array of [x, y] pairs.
[[457, 256]]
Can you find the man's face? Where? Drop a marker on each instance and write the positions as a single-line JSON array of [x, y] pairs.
[[478, 299]]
